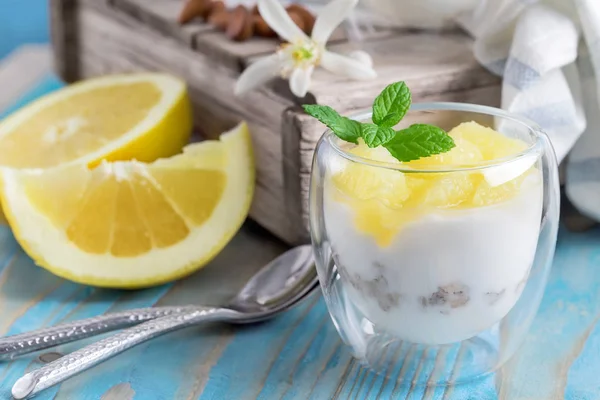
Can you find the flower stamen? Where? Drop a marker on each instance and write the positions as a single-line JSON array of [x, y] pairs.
[[301, 54]]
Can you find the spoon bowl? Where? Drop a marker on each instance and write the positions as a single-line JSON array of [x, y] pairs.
[[280, 283]]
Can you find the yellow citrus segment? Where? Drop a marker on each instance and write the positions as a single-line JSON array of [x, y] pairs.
[[492, 145], [465, 153], [130, 235], [91, 228], [129, 224], [56, 194], [185, 189], [141, 116], [383, 200], [486, 194], [447, 190], [380, 221], [365, 182], [165, 225]]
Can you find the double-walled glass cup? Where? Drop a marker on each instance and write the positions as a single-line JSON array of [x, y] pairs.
[[433, 274]]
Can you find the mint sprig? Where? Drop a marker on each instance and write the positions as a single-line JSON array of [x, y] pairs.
[[389, 107]]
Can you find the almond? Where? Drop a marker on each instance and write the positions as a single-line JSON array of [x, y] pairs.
[[241, 26], [193, 9], [307, 17], [215, 6], [219, 19], [261, 28]]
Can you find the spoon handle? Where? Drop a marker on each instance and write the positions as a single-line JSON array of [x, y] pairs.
[[80, 360], [29, 342]]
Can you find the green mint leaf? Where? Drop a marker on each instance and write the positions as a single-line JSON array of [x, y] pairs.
[[390, 120], [417, 141], [374, 135], [344, 128], [391, 105]]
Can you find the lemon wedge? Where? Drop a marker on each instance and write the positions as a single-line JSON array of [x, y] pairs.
[[128, 224], [118, 117]]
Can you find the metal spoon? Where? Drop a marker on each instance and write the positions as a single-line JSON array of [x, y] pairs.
[[299, 258], [280, 285]]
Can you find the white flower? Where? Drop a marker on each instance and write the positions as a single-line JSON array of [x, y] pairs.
[[296, 59]]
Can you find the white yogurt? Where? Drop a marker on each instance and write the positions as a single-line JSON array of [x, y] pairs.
[[445, 277]]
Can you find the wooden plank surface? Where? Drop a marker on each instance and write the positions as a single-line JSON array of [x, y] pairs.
[[429, 63], [63, 32], [163, 15]]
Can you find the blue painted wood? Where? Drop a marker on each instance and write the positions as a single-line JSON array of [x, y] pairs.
[[47, 85], [299, 355], [22, 21]]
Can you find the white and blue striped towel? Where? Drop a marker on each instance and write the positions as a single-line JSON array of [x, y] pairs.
[[548, 52]]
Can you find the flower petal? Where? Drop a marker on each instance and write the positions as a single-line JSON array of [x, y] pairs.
[[346, 66], [330, 17], [300, 81], [258, 73], [362, 57], [278, 19]]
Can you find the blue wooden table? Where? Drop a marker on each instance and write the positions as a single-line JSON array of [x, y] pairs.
[[296, 356]]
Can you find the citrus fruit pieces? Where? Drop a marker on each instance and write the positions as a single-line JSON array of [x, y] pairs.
[[118, 117], [384, 200], [128, 224], [474, 143]]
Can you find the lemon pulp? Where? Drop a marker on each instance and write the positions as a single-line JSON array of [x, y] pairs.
[[117, 117], [383, 200]]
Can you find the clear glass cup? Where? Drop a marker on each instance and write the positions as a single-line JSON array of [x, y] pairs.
[[425, 285]]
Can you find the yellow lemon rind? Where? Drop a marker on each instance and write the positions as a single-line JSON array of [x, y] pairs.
[[232, 210]]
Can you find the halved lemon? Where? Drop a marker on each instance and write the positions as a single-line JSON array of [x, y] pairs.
[[129, 224], [117, 117]]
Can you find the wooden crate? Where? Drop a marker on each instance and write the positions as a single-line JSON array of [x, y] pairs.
[[95, 37]]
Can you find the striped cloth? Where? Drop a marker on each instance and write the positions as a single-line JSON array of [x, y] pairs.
[[548, 53]]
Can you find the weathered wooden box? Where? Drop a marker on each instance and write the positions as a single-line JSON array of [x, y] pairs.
[[94, 37]]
